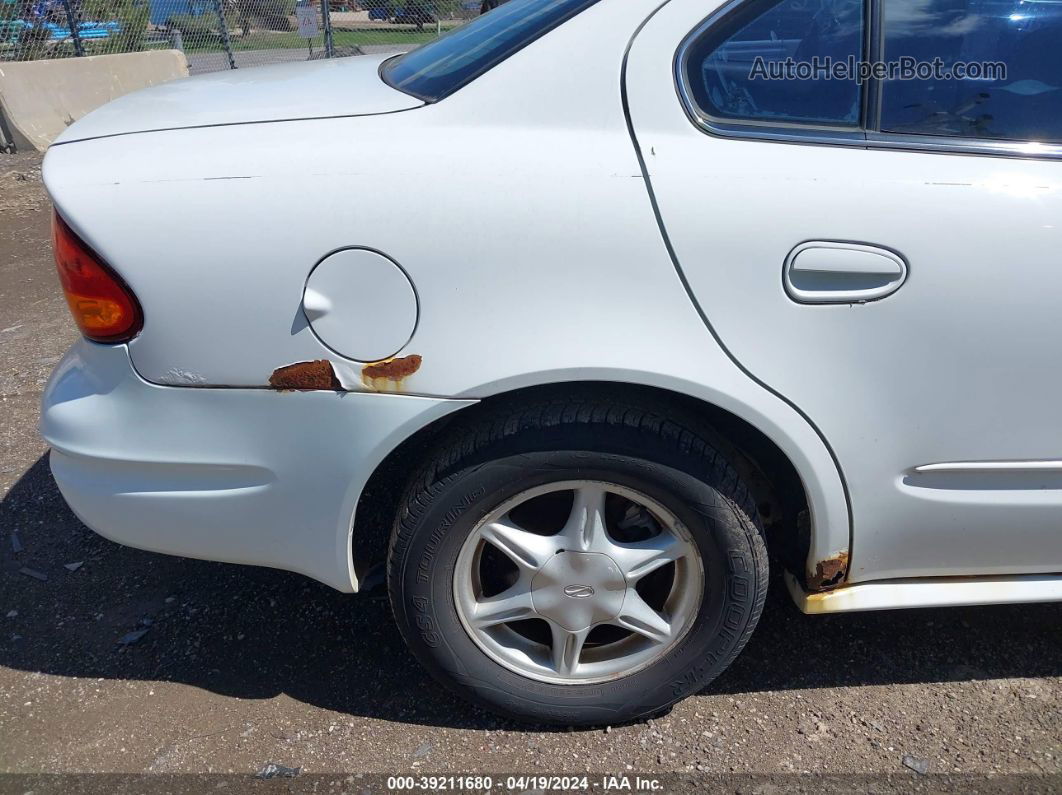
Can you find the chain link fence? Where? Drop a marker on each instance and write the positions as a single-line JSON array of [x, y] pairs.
[[226, 34]]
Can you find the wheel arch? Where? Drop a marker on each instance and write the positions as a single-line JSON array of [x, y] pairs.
[[788, 488]]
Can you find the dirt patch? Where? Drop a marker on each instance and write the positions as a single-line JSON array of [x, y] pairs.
[[21, 190]]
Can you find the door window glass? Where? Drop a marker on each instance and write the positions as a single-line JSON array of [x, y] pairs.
[[1023, 101]]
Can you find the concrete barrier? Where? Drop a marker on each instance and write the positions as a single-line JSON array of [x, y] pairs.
[[40, 99]]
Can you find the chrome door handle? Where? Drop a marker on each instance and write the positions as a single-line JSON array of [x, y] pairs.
[[826, 272]]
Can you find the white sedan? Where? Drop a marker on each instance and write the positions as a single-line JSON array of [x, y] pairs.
[[563, 322]]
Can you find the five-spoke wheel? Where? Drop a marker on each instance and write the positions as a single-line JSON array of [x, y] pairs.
[[577, 560], [593, 581]]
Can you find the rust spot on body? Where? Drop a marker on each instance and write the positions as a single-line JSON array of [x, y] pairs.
[[306, 375], [829, 573], [392, 369]]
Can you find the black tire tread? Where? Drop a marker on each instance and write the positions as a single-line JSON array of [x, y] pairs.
[[683, 431]]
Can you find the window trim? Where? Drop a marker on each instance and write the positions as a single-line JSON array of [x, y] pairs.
[[867, 135]]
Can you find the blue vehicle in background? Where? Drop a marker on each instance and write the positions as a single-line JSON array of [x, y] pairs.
[[415, 13], [410, 12], [87, 30], [48, 22]]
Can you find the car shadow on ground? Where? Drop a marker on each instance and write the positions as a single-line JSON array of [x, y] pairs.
[[255, 633]]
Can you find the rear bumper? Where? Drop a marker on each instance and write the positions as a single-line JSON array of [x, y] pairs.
[[238, 475]]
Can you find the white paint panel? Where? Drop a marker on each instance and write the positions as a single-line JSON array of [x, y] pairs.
[[521, 217], [310, 89], [956, 365]]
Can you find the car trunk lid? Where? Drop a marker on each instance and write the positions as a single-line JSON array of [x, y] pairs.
[[282, 92]]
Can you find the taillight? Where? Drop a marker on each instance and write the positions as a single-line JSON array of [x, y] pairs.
[[103, 307]]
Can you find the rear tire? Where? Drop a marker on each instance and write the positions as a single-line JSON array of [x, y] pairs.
[[468, 532]]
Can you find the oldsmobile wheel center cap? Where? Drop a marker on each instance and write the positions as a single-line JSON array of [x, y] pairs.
[[578, 589]]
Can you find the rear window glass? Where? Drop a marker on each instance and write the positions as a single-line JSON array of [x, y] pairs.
[[722, 65], [438, 69]]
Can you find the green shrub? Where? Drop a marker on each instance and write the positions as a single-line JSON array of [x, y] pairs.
[[9, 10], [131, 15], [195, 29], [269, 14], [33, 44]]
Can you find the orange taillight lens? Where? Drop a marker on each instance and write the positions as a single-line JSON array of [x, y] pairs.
[[103, 307]]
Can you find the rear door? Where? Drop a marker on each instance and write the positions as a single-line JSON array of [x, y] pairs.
[[885, 255]]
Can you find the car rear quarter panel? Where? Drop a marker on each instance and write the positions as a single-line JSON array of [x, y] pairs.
[[516, 206]]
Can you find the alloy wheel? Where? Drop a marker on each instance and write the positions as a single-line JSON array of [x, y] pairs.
[[578, 582]]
